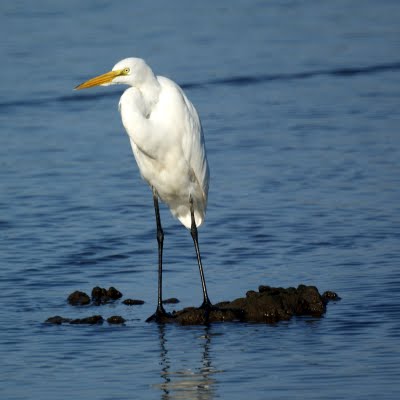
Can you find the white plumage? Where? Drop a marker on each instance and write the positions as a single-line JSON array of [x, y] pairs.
[[167, 141], [168, 144]]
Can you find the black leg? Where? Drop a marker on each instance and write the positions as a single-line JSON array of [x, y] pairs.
[[193, 231], [160, 312]]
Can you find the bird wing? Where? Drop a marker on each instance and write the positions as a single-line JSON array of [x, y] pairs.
[[194, 148], [169, 148], [193, 145]]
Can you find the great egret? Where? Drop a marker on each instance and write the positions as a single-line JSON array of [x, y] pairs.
[[168, 144]]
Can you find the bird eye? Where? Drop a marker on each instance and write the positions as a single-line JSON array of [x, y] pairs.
[[126, 71]]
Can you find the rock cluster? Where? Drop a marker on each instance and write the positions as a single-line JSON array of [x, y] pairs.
[[266, 305]]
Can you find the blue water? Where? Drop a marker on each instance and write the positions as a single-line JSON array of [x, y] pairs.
[[300, 107]]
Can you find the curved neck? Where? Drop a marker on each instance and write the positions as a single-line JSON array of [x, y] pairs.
[[150, 91]]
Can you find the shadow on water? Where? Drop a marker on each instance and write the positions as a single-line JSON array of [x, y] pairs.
[[243, 80], [197, 384]]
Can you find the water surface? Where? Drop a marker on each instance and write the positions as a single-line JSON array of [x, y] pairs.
[[299, 103]]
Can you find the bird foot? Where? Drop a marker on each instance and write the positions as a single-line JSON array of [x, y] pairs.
[[207, 306], [160, 316]]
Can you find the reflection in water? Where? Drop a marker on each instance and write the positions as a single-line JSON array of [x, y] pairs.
[[196, 383]]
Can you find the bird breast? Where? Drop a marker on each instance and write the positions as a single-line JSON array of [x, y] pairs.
[[168, 148]]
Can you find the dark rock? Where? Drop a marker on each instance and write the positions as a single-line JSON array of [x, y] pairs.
[[172, 300], [99, 295], [103, 295], [264, 288], [251, 293], [133, 302], [223, 303], [268, 305], [115, 319], [78, 298], [113, 293], [199, 316], [94, 319], [330, 296], [57, 320]]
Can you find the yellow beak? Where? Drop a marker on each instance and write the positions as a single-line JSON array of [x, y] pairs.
[[100, 80]]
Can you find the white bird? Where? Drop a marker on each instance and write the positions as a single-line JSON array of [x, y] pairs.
[[168, 144]]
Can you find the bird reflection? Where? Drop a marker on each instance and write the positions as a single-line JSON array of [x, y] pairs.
[[196, 383]]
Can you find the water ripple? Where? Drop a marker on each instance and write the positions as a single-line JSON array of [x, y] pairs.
[[243, 80]]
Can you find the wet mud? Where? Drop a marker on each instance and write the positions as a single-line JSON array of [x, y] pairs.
[[172, 300], [265, 305], [133, 302]]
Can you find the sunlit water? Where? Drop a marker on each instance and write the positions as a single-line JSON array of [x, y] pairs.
[[300, 107]]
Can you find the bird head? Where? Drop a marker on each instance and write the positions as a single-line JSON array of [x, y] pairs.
[[130, 71]]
